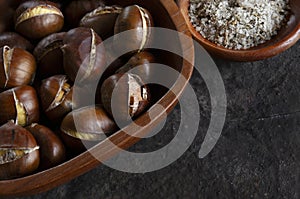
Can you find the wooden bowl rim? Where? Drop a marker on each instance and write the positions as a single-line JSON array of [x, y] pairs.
[[244, 54], [84, 162]]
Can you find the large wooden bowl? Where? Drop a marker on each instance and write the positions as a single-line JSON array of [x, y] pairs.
[[166, 14], [286, 37]]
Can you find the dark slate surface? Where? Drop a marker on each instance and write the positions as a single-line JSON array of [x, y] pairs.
[[257, 156]]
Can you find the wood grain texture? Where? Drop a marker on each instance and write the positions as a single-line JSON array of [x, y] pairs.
[[167, 15]]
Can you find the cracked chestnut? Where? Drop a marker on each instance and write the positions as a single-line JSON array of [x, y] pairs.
[[56, 97], [140, 64], [84, 56], [52, 150], [102, 20], [85, 127], [17, 67], [49, 55], [19, 152], [37, 19], [76, 9], [19, 104], [138, 20], [14, 40], [124, 96]]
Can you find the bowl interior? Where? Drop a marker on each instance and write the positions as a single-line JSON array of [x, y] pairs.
[[167, 15], [288, 35]]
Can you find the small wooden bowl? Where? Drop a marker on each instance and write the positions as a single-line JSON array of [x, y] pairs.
[[167, 15], [285, 38]]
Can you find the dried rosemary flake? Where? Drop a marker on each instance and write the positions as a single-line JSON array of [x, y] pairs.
[[238, 24]]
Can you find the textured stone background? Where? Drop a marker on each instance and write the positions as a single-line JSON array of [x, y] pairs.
[[257, 156]]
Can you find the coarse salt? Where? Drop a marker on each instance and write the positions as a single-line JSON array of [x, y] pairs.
[[238, 24]]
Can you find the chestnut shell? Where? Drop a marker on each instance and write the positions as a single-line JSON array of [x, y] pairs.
[[102, 20], [124, 96], [39, 26], [26, 95], [15, 40], [95, 126], [20, 70], [50, 91], [16, 137], [84, 56], [138, 20], [52, 150], [49, 55]]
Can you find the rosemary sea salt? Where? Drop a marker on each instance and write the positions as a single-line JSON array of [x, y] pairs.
[[238, 24]]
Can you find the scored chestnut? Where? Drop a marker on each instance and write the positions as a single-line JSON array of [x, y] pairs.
[[37, 19], [19, 152], [76, 9], [138, 20], [102, 20], [14, 40], [140, 64], [52, 150], [56, 97], [49, 55], [84, 56], [17, 67], [89, 124], [124, 96], [19, 104]]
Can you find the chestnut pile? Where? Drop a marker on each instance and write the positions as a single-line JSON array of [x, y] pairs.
[[48, 50]]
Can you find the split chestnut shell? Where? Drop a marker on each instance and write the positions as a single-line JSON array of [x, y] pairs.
[[17, 67], [19, 154], [90, 124], [84, 56], [19, 104], [138, 20], [37, 19]]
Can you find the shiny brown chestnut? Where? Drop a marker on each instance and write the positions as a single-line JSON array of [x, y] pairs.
[[17, 67], [19, 104], [14, 40], [52, 150], [140, 64], [84, 56], [84, 127], [49, 55], [102, 20], [19, 152], [124, 96], [56, 97], [139, 21], [37, 19], [76, 9]]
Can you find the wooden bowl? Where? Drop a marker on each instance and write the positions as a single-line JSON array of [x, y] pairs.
[[285, 38], [166, 14]]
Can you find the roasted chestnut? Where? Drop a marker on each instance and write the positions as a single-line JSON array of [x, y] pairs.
[[90, 124], [19, 154], [124, 96], [49, 55], [102, 20], [84, 56], [52, 150], [140, 64], [37, 19], [75, 10], [56, 97], [19, 104], [17, 67], [14, 40], [139, 21]]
